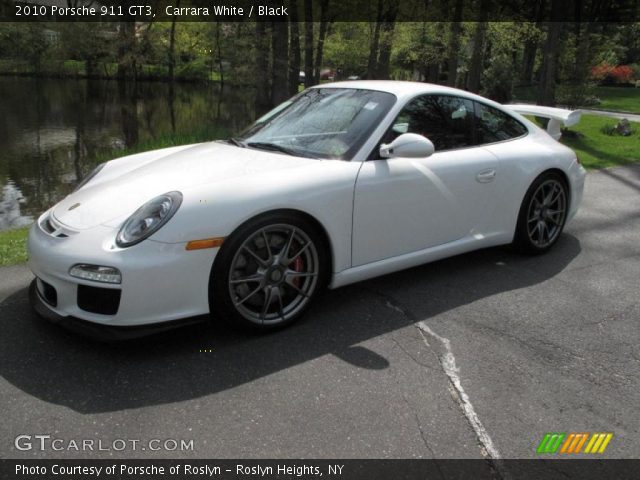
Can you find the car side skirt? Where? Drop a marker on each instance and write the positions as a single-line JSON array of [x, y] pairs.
[[413, 259]]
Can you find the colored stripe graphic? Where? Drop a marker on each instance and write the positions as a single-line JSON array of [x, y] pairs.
[[574, 443], [598, 442], [551, 442]]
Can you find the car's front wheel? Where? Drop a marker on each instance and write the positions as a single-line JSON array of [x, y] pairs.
[[268, 272], [543, 214]]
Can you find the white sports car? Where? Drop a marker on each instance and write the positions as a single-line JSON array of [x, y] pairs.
[[344, 182]]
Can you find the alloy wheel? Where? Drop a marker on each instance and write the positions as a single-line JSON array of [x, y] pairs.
[[273, 274], [546, 213]]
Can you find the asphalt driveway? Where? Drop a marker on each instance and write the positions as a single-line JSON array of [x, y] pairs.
[[478, 355]]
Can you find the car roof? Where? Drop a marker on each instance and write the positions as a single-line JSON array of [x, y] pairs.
[[403, 89]]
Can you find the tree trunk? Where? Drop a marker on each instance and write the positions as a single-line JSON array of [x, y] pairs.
[[531, 49], [262, 80], [126, 46], [308, 43], [219, 54], [172, 47], [454, 44], [547, 85], [384, 56], [322, 35], [372, 64], [477, 58], [476, 65], [294, 48], [528, 61], [279, 87], [583, 54]]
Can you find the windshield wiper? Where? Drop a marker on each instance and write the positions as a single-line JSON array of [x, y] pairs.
[[236, 142], [279, 148]]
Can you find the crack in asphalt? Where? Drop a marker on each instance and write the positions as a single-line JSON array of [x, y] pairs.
[[406, 352], [448, 363]]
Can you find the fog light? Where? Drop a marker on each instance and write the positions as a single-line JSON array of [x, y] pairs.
[[97, 273]]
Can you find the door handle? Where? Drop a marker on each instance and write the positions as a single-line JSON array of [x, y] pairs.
[[486, 176]]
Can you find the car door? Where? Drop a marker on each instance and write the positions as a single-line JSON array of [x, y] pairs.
[[403, 205]]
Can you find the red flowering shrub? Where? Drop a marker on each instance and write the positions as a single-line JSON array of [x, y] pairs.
[[622, 74], [602, 71], [607, 74]]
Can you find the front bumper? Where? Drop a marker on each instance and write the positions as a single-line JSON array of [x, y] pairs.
[[161, 282], [101, 332]]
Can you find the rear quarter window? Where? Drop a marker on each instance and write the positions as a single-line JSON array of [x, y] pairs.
[[493, 125]]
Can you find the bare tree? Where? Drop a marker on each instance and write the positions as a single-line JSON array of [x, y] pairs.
[[322, 35], [262, 79], [279, 66], [294, 48], [308, 43]]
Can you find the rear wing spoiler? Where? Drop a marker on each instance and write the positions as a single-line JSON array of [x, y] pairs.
[[557, 116]]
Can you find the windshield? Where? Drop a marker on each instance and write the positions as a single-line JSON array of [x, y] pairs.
[[320, 123]]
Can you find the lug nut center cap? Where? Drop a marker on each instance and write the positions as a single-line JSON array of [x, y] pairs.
[[276, 275]]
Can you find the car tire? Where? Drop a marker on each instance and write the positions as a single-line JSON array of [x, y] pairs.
[[543, 214], [268, 272]]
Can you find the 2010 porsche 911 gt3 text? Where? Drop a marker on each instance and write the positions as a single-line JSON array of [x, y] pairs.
[[344, 182]]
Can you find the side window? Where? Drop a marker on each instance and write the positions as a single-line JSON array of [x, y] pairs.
[[495, 126], [445, 120]]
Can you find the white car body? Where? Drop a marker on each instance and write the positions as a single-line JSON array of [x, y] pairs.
[[379, 216]]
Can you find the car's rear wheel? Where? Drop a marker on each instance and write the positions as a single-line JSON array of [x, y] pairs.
[[543, 214], [268, 272]]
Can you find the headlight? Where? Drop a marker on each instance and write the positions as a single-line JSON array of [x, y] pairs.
[[148, 219], [88, 178]]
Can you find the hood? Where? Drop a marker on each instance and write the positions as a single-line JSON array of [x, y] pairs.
[[117, 190]]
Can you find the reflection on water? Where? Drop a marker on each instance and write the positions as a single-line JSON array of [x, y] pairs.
[[52, 132], [10, 215]]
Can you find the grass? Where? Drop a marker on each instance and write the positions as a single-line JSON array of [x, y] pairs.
[[598, 150], [165, 141], [13, 246], [619, 99]]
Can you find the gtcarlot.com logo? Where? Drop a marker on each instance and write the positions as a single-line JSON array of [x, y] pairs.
[[569, 443], [45, 443]]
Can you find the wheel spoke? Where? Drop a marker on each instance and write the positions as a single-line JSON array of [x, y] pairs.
[[253, 292], [540, 231], [268, 296], [290, 283], [287, 246], [555, 221], [294, 274], [266, 244], [549, 196], [556, 198], [250, 279], [299, 252], [262, 262], [280, 305]]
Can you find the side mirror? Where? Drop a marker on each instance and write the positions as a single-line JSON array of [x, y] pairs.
[[408, 145]]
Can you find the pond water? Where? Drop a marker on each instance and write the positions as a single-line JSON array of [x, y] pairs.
[[53, 131]]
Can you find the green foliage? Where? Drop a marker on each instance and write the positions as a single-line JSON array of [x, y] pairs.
[[497, 82], [347, 48], [619, 99]]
